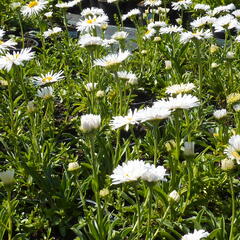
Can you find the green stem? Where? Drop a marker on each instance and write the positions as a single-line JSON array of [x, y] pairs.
[[149, 235], [138, 223], [231, 236], [21, 28], [96, 184], [200, 73], [9, 214], [155, 142]]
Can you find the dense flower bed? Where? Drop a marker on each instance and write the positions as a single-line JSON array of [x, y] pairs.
[[99, 141]]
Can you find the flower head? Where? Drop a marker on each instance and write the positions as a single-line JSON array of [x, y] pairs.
[[90, 41], [6, 45], [45, 93], [91, 22], [112, 60], [233, 150], [154, 174], [185, 101], [120, 121], [50, 77], [33, 8], [152, 3], [152, 114], [90, 122], [128, 172], [196, 235], [130, 14], [199, 35], [218, 114], [180, 88], [16, 58], [181, 4], [50, 32]]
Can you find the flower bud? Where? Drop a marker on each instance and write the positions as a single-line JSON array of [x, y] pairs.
[[104, 192], [90, 122], [174, 196], [100, 94], [213, 48], [73, 166], [227, 164], [7, 177], [168, 64], [189, 149], [214, 65], [31, 107], [230, 55]]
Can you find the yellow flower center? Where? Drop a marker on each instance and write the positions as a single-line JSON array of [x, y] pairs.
[[90, 21], [32, 4], [236, 155], [47, 79], [1, 42], [147, 32]]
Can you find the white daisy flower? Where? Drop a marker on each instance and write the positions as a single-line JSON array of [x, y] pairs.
[[50, 32], [112, 60], [236, 13], [199, 35], [7, 177], [133, 12], [112, 1], [17, 58], [185, 101], [91, 22], [90, 122], [181, 4], [50, 77], [226, 22], [33, 8], [66, 4], [152, 114], [48, 14], [233, 150], [88, 40], [154, 174], [196, 235], [120, 121], [221, 113], [171, 29], [126, 75], [201, 22], [92, 12], [157, 24], [109, 42], [152, 3], [220, 9], [45, 93], [149, 33], [119, 35], [180, 88], [7, 45], [203, 7], [2, 33], [128, 172]]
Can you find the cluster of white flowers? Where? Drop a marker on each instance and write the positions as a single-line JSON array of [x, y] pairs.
[[135, 170], [160, 110], [233, 149]]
